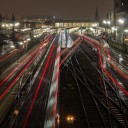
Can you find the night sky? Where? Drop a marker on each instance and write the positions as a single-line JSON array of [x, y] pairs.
[[66, 9]]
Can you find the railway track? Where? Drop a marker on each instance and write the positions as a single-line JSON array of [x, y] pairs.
[[101, 104], [34, 104], [25, 86]]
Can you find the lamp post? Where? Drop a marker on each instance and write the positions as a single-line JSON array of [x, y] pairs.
[[13, 28], [114, 12], [95, 26], [107, 24], [121, 23]]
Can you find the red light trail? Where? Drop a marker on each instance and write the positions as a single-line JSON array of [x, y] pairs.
[[101, 64], [18, 76], [38, 87], [19, 66], [70, 53]]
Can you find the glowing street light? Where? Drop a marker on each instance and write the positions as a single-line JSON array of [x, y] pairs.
[[17, 24], [106, 22], [121, 21], [3, 25]]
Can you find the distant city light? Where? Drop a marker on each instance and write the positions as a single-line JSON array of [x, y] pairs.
[[106, 22], [12, 46], [3, 25], [17, 24], [21, 43], [25, 29], [95, 25]]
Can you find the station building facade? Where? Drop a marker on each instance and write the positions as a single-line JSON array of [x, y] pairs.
[[71, 23]]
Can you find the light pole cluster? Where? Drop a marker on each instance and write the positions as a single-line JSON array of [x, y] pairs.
[[107, 24], [118, 27]]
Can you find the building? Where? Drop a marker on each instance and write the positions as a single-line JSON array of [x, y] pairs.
[[119, 20], [122, 20], [76, 23]]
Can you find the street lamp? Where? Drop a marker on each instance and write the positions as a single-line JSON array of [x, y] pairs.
[[121, 21], [104, 22], [114, 20], [107, 23], [114, 31], [95, 26], [121, 31], [17, 24]]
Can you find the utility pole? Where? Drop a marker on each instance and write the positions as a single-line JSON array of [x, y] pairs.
[[97, 15], [13, 28], [1, 18], [114, 18]]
